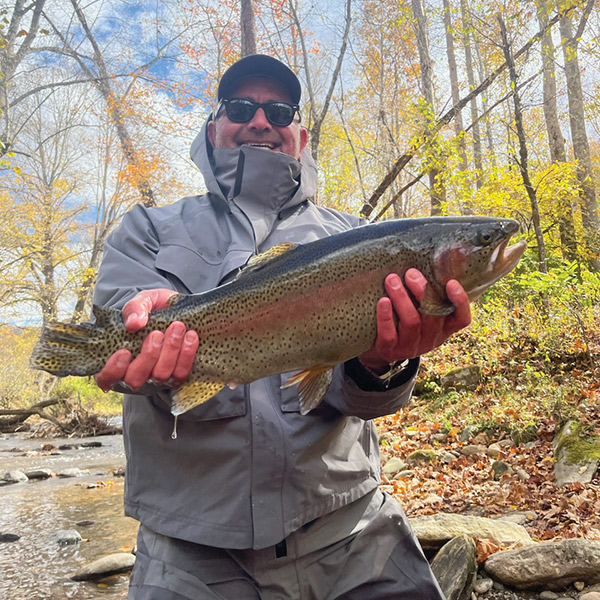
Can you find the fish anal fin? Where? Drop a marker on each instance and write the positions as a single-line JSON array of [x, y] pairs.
[[313, 384], [193, 393], [434, 305]]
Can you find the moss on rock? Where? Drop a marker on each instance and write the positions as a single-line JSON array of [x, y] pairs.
[[576, 449]]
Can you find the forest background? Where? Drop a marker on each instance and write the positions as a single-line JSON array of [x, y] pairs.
[[413, 108]]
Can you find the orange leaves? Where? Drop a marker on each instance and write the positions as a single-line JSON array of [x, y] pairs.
[[461, 484], [485, 548]]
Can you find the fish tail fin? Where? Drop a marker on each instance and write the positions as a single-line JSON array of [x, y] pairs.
[[74, 349], [313, 384]]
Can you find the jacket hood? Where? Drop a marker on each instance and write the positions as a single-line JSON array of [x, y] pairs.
[[250, 175]]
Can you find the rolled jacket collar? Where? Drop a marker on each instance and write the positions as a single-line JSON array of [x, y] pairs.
[[259, 182]]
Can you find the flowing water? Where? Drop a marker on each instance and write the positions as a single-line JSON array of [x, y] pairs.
[[35, 567]]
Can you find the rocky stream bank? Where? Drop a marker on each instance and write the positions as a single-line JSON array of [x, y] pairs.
[[473, 557]]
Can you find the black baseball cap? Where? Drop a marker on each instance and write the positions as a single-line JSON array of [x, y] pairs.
[[259, 65]]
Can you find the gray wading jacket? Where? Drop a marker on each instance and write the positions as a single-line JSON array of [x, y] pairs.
[[247, 468]]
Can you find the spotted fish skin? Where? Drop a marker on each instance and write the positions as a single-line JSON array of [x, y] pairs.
[[308, 308]]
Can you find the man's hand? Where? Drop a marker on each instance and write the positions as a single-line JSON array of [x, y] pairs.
[[164, 358], [415, 334]]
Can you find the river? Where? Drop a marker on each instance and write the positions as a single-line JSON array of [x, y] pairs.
[[35, 567]]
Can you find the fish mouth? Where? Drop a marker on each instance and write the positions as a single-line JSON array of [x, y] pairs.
[[503, 260]]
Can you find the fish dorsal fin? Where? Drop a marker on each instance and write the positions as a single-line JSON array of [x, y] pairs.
[[176, 299], [313, 384], [259, 260]]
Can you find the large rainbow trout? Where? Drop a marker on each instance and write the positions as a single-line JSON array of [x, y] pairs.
[[300, 308]]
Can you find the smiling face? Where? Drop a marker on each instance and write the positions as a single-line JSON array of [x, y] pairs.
[[223, 133]]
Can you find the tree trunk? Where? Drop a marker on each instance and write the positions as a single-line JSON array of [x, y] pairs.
[[555, 138], [446, 118], [248, 28], [454, 86], [523, 154], [115, 109], [466, 26], [318, 118], [485, 109], [581, 147], [11, 57], [436, 184]]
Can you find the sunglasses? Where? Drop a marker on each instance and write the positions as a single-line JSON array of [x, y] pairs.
[[242, 110]]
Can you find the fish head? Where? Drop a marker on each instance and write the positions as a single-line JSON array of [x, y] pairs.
[[476, 254]]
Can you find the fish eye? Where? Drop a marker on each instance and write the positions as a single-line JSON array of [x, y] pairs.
[[485, 238]]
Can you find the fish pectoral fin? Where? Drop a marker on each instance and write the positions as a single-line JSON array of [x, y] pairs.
[[193, 393], [256, 262], [433, 305], [313, 384]]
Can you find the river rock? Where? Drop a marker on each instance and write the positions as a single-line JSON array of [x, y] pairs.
[[120, 562], [66, 537], [590, 596], [576, 460], [483, 586], [421, 457], [493, 450], [9, 537], [472, 449], [455, 568], [72, 472], [500, 468], [15, 476], [548, 565], [393, 466], [434, 531], [461, 379], [39, 474]]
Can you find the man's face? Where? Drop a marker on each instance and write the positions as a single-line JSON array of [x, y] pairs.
[[223, 133]]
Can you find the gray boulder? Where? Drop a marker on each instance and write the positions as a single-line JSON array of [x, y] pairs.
[[15, 476], [462, 379], [113, 564], [549, 565], [455, 568], [39, 474], [434, 531], [393, 466], [577, 459]]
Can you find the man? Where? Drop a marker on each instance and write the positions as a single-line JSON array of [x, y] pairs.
[[252, 499]]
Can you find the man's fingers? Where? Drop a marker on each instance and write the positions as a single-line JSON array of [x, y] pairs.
[[416, 283], [114, 370], [387, 336], [187, 355], [169, 354], [409, 318], [461, 317], [136, 311], [141, 367]]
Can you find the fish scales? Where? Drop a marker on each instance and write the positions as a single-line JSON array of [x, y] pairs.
[[306, 308]]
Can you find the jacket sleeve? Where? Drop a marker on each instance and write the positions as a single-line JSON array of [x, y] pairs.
[[366, 396], [128, 266]]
